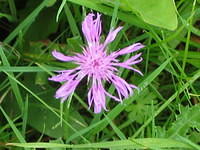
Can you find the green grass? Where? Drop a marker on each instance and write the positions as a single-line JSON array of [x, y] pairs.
[[162, 114]]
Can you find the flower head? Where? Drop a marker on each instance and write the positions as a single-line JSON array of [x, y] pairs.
[[97, 65]]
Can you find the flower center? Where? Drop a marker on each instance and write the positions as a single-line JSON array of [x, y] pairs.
[[95, 64], [97, 67]]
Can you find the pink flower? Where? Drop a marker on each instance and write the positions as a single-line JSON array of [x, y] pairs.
[[97, 65]]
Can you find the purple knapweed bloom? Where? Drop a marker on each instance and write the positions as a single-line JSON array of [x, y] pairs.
[[97, 65]]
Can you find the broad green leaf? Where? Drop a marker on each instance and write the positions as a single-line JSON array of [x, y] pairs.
[[46, 122], [41, 78], [102, 7], [155, 12], [161, 13], [45, 20], [49, 124]]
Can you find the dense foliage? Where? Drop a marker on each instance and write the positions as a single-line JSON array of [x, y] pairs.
[[164, 113]]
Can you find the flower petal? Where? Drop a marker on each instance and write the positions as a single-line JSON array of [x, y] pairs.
[[68, 88], [133, 59], [122, 87], [61, 56], [96, 95], [111, 35], [113, 97], [65, 75], [127, 67], [92, 28], [128, 49], [59, 78]]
